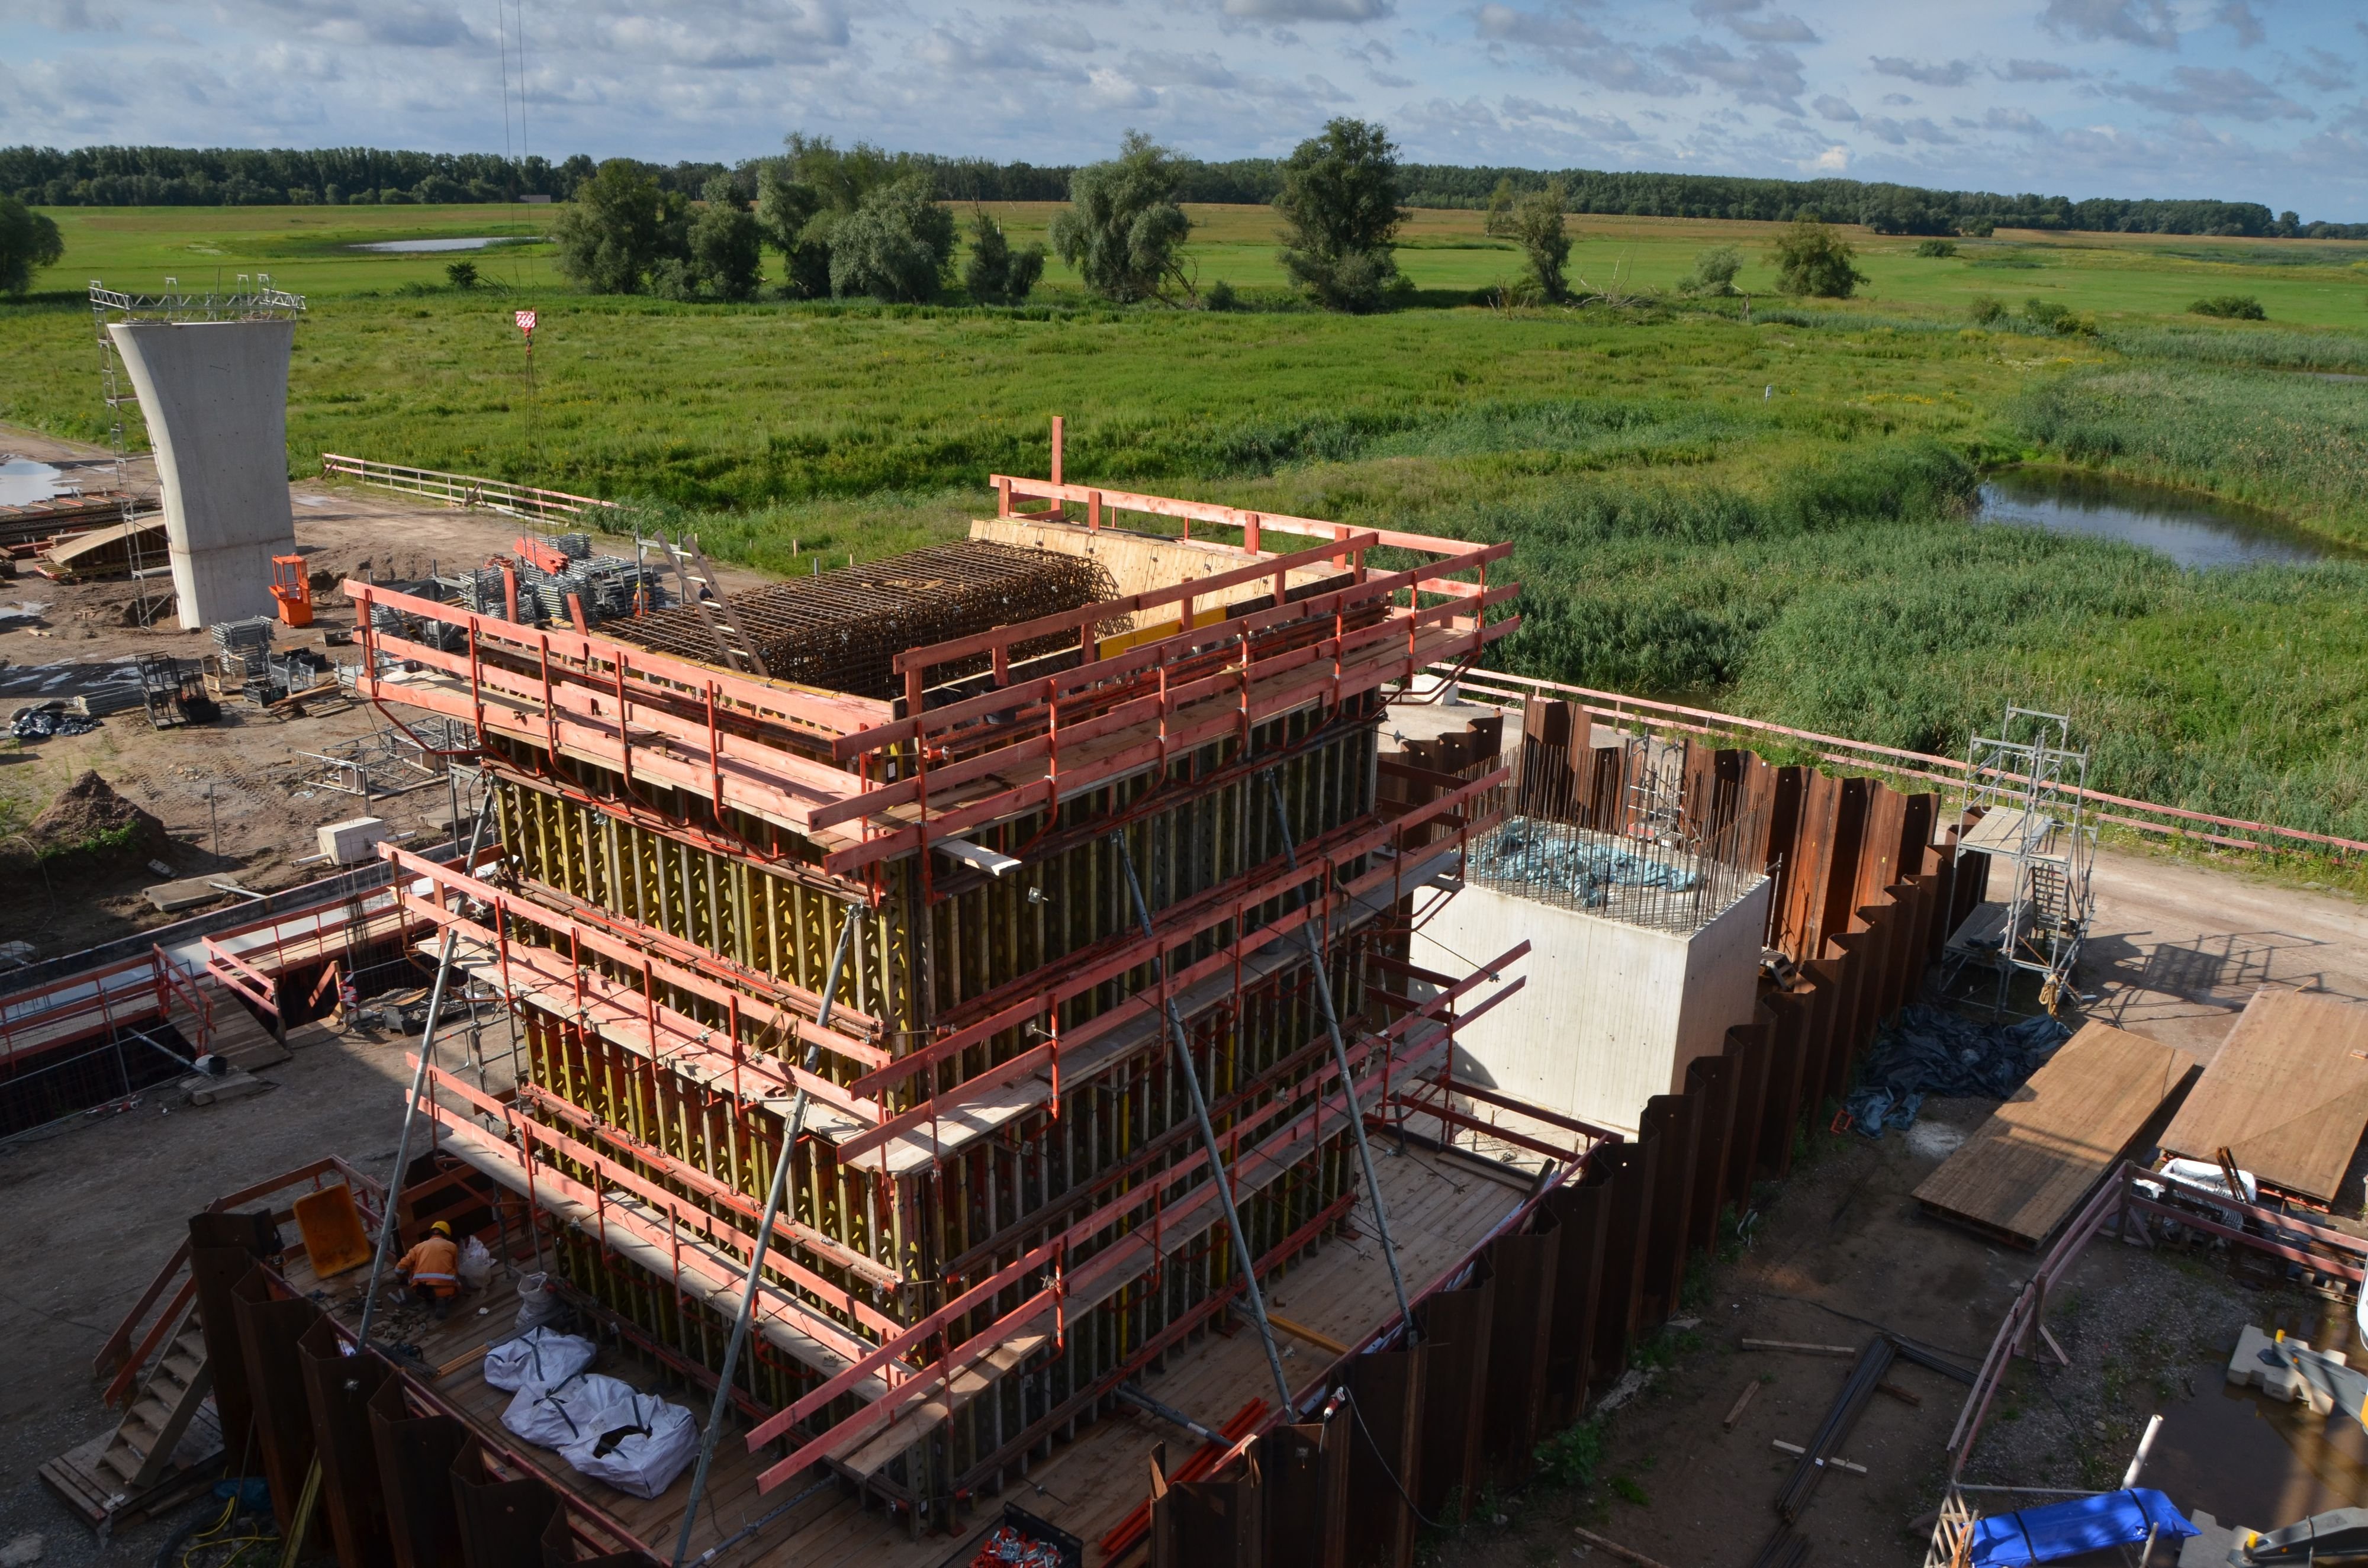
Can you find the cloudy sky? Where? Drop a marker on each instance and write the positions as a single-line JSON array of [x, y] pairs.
[[2258, 99]]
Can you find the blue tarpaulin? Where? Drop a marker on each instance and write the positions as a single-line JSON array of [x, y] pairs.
[[1930, 1051], [2083, 1524]]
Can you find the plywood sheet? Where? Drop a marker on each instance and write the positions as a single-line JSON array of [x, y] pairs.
[[2036, 1159], [2287, 1095]]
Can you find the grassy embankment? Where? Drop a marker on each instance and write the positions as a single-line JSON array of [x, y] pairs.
[[1766, 517]]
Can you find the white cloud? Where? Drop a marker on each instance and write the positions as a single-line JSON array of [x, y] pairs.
[[1949, 73], [1762, 75], [2239, 18], [1311, 10], [1834, 160], [1899, 133], [2147, 22], [2197, 90], [1831, 108]]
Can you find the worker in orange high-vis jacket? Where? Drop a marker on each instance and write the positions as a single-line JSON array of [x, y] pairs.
[[433, 1268]]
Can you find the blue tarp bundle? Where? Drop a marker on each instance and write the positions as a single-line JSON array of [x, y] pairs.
[[1587, 866], [2083, 1524], [1930, 1051]]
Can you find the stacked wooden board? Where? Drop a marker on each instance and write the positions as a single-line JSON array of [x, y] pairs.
[[2037, 1158], [2287, 1096]]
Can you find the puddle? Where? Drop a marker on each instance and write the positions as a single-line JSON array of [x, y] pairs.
[[24, 481], [2247, 1459], [413, 247], [2192, 531]]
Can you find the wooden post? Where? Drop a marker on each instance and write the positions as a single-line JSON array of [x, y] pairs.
[[1056, 451], [1094, 512]]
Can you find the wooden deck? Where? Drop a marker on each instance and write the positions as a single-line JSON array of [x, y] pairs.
[[1439, 1213], [2040, 1153], [2287, 1095]]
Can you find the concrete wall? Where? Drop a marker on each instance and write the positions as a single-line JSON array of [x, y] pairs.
[[1611, 1012], [215, 397]]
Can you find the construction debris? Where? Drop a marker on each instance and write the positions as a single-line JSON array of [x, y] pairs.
[[47, 721]]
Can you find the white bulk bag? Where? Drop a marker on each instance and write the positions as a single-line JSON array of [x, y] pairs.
[[567, 1411], [641, 1445], [539, 1358]]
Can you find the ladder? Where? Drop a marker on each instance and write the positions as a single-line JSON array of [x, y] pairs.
[[160, 1413], [698, 588]]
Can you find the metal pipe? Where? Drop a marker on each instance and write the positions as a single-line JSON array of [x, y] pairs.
[[411, 1106], [1347, 1081], [1207, 1135], [796, 1124]]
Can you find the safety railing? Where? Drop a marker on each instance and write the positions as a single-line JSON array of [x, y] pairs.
[[1618, 709], [467, 491], [76, 1006]]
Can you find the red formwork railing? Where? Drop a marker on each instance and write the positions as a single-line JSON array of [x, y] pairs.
[[76, 1006], [1406, 1046], [869, 785], [1619, 709]]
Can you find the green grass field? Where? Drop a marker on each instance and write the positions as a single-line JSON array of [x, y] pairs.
[[1770, 514]]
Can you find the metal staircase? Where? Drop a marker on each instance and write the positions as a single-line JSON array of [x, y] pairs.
[[161, 1410]]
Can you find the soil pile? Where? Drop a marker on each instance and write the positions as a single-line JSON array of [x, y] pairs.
[[90, 824]]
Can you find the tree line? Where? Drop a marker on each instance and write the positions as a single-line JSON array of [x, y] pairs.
[[861, 221], [115, 177]]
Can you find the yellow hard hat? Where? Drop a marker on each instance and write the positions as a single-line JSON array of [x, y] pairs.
[[442, 1229]]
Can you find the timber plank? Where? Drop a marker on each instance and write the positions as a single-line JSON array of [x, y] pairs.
[[2287, 1095], [2040, 1153]]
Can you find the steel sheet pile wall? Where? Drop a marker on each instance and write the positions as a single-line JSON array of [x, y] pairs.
[[1547, 1309], [403, 1482]]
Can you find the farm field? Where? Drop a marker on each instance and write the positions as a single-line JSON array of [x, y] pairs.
[[1769, 515]]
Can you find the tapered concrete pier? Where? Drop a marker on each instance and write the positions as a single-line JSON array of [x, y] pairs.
[[215, 397]]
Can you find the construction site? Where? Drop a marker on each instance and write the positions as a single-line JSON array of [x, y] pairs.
[[1123, 1037]]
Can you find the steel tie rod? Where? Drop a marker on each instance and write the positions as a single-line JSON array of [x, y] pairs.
[[1207, 1133], [741, 1320], [1340, 1058], [418, 1085]]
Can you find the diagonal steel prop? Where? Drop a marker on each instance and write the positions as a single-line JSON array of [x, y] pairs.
[[1242, 1256]]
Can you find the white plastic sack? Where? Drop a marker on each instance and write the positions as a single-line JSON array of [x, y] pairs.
[[641, 1448], [567, 1411], [537, 1300], [476, 1264], [539, 1358]]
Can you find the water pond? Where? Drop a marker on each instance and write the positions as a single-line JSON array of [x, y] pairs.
[[417, 247], [24, 481], [2191, 529]]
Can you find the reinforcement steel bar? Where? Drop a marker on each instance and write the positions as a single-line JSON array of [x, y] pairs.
[[929, 656], [1373, 593]]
